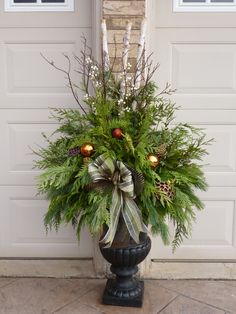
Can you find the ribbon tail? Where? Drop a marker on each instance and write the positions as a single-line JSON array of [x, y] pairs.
[[117, 204], [133, 219]]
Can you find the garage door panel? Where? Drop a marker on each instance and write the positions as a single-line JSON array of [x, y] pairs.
[[23, 233], [220, 163], [200, 65], [21, 131], [205, 68], [207, 101], [213, 235], [27, 80], [22, 78], [22, 139], [222, 152], [221, 213]]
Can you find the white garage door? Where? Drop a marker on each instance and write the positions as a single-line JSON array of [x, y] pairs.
[[28, 86], [197, 54]]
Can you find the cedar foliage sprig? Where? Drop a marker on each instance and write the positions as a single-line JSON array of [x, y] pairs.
[[65, 179]]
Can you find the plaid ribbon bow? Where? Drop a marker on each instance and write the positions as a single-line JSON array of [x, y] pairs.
[[117, 174]]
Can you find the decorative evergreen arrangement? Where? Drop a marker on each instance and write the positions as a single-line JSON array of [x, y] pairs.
[[119, 156]]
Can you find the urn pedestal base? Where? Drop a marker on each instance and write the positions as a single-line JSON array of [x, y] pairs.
[[125, 289], [121, 299]]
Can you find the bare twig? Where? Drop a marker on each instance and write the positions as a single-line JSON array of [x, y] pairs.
[[68, 76]]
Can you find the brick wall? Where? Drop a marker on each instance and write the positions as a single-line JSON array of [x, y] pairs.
[[117, 13]]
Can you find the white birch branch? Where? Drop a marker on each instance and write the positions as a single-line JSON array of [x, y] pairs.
[[125, 55], [105, 53], [140, 53], [126, 43]]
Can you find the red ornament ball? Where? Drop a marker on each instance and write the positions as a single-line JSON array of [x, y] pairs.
[[117, 133]]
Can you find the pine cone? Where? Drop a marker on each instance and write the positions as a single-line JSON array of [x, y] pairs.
[[74, 151], [161, 150], [166, 189], [138, 179]]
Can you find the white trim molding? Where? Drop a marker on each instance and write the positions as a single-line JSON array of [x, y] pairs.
[[38, 6], [54, 268], [205, 6], [100, 265], [192, 270]]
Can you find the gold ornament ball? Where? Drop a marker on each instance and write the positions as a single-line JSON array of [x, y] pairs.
[[154, 160], [87, 149]]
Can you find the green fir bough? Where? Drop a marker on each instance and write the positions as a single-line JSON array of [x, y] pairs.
[[144, 115]]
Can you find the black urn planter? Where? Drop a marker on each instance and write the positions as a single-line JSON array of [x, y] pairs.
[[124, 289]]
